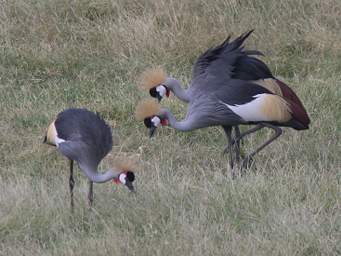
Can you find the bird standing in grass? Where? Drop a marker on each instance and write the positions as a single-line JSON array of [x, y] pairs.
[[239, 64], [236, 103], [220, 75], [84, 137]]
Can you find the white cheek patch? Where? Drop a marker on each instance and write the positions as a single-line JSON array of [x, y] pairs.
[[161, 90], [122, 178], [156, 121]]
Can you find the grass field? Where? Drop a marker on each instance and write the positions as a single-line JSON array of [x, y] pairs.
[[56, 54]]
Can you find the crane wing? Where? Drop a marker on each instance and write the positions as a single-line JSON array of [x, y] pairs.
[[230, 60], [75, 150], [85, 130]]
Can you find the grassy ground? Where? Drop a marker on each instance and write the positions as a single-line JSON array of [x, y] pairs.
[[59, 54]]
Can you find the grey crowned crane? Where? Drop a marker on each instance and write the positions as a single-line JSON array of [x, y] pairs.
[[238, 64], [239, 102], [216, 73], [84, 137]]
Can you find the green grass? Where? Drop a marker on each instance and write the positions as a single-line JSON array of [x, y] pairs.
[[59, 54]]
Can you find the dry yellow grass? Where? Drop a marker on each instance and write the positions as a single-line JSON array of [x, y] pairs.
[[57, 54]]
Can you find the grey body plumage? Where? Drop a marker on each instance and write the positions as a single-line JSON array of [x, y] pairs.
[[229, 87], [211, 76], [84, 137], [86, 133]]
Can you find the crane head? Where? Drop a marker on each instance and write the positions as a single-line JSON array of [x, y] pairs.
[[152, 80], [150, 112], [159, 92], [127, 176]]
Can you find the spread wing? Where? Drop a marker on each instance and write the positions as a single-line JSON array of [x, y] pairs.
[[230, 60]]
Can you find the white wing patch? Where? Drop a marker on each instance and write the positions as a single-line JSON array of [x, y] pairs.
[[264, 107], [52, 136], [58, 141]]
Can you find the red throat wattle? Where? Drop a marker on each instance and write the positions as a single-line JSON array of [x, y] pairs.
[[167, 92], [116, 181], [164, 122]]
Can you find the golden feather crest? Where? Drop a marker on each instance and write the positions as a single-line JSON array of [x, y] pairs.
[[146, 108], [125, 164], [152, 77]]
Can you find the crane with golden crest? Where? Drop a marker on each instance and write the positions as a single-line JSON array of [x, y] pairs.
[[84, 137], [229, 87], [242, 65]]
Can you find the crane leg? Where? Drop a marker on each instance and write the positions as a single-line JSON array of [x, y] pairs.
[[228, 133], [71, 184], [278, 132], [252, 130], [91, 193], [237, 146]]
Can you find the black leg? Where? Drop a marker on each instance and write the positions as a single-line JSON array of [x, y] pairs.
[[91, 193], [278, 132], [237, 146], [71, 184], [252, 130], [228, 133]]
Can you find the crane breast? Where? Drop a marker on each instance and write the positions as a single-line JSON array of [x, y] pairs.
[[264, 107]]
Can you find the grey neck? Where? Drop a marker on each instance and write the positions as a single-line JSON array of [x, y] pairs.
[[184, 125], [93, 175], [175, 86]]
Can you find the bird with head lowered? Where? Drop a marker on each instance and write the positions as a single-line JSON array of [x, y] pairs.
[[84, 137], [229, 77], [235, 104], [240, 64]]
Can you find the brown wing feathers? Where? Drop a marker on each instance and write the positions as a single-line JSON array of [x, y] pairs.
[[279, 88], [298, 111]]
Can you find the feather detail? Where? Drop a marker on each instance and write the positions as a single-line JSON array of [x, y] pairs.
[[151, 78], [275, 108], [125, 164], [271, 85], [147, 108], [51, 134], [264, 107]]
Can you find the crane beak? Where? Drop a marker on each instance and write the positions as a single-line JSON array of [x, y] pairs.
[[152, 131], [130, 186], [159, 97]]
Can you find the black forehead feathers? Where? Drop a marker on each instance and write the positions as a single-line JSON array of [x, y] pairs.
[[153, 92], [130, 176], [148, 122]]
